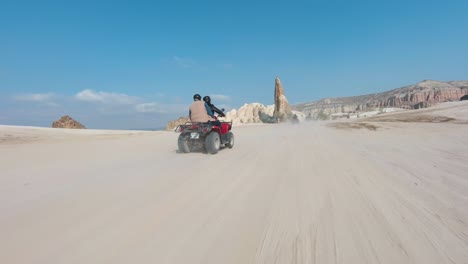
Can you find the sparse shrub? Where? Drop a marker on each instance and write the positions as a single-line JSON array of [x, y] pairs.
[[321, 115]]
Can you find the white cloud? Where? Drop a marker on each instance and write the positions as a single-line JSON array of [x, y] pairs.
[[220, 97], [104, 97], [35, 97]]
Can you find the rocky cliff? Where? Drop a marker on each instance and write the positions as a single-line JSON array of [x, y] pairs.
[[67, 122], [422, 94]]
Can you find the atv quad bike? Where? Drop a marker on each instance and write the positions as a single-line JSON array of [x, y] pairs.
[[204, 136]]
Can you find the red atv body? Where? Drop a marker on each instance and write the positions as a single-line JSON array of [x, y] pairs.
[[204, 136]]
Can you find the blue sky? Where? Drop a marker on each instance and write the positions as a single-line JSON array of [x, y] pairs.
[[136, 64]]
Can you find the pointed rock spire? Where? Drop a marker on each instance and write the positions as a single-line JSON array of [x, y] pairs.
[[282, 108]]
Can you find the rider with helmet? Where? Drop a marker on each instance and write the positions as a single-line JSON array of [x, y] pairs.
[[199, 111], [213, 108]]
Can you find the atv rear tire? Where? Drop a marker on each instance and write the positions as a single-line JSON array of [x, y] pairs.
[[212, 143], [183, 144], [230, 138]]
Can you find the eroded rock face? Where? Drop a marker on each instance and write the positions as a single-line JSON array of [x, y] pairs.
[[427, 92], [173, 124], [420, 95], [67, 122], [282, 108], [251, 113]]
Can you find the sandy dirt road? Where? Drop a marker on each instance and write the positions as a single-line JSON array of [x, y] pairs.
[[306, 193]]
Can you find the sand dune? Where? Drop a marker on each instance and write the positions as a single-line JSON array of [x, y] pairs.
[[322, 192]]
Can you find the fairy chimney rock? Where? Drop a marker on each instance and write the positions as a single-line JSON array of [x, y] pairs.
[[67, 122], [282, 108]]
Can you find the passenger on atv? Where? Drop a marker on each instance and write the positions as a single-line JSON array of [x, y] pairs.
[[213, 108]]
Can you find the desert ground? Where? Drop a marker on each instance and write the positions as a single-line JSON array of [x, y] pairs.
[[387, 189]]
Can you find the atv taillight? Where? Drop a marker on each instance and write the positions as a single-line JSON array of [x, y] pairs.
[[205, 130]]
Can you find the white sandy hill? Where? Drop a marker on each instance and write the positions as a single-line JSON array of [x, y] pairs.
[[304, 193]]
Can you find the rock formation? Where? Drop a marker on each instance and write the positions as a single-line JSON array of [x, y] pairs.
[[420, 95], [250, 113], [257, 113], [282, 109], [67, 122], [173, 124]]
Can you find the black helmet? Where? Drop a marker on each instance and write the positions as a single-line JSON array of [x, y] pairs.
[[207, 99], [196, 97]]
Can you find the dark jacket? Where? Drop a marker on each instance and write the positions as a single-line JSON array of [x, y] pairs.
[[214, 109]]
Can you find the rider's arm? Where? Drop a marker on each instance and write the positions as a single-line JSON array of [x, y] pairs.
[[216, 110]]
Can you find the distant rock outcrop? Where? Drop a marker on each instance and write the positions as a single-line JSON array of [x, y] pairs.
[[173, 124], [258, 113], [420, 95], [67, 122], [282, 108], [251, 113]]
